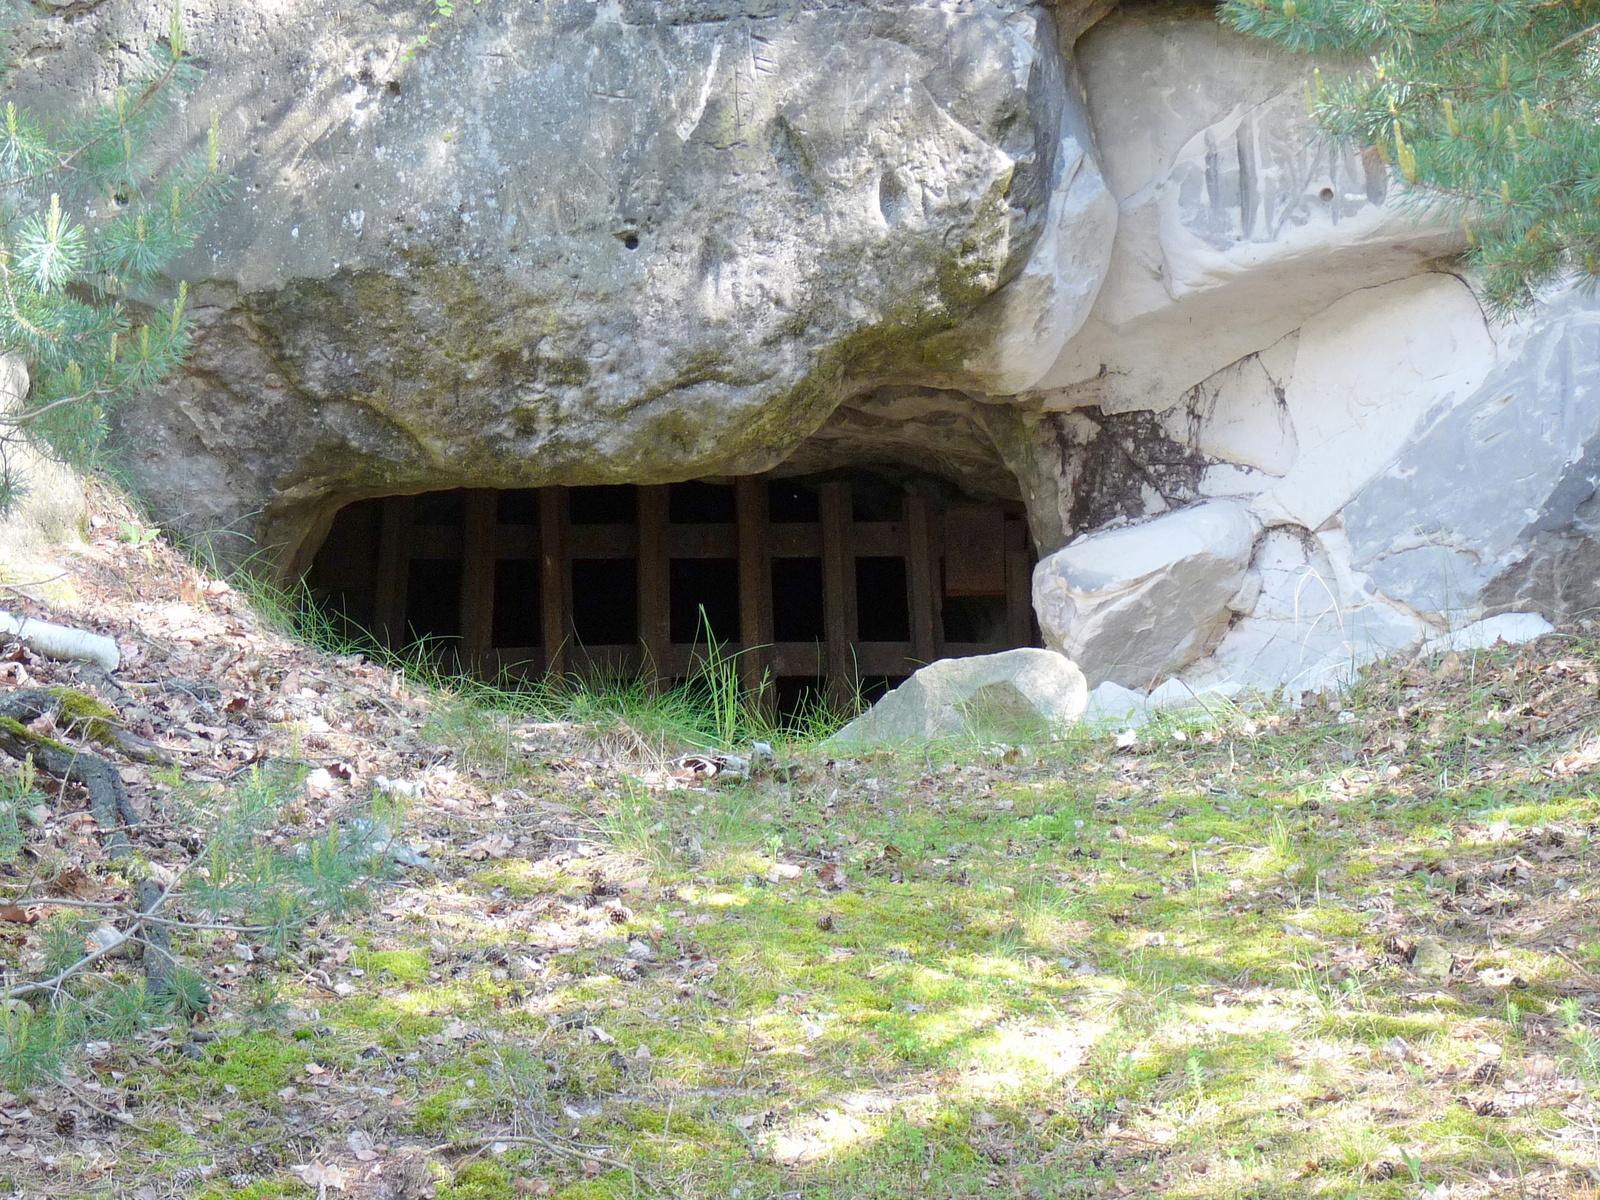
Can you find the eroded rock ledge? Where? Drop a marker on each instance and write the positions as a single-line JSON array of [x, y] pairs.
[[1116, 276]]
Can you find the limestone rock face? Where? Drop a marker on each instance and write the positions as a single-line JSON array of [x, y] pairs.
[[1135, 605], [1311, 623], [1016, 694], [1262, 431], [1238, 220], [1512, 628], [1494, 501], [585, 242]]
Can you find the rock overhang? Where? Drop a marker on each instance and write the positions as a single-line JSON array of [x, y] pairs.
[[572, 242], [1113, 283]]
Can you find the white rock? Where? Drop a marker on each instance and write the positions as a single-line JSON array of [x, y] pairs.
[[1135, 605], [1312, 624], [1494, 501], [1365, 372], [1038, 311], [1019, 692], [1511, 628], [1240, 415], [1113, 704], [1238, 222], [1175, 695]]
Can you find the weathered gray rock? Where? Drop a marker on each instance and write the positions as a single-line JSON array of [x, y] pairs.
[[1238, 220], [1017, 694], [1512, 629], [1112, 705], [1492, 488], [1311, 624], [1366, 371], [1138, 604], [581, 242], [1178, 696]]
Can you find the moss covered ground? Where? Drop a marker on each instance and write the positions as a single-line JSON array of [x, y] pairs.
[[1350, 950], [1344, 952]]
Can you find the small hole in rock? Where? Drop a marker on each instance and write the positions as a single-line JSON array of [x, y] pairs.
[[1326, 193], [631, 241], [392, 87]]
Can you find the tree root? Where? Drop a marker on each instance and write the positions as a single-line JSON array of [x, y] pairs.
[[108, 799]]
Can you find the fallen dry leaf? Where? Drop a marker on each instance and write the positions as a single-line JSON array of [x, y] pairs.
[[323, 1176], [832, 877], [495, 845]]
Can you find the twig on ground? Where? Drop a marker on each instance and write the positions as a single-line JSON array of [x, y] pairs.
[[108, 1113], [537, 1139]]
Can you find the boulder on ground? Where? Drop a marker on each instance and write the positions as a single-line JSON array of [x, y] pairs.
[[1511, 628], [1135, 605], [1018, 693], [1111, 704]]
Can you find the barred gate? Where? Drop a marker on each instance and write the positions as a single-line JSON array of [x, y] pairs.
[[829, 583]]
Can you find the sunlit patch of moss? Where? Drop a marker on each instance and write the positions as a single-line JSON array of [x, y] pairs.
[[258, 1064], [1584, 807], [479, 1181], [390, 1026], [1336, 922], [404, 966], [443, 1109], [459, 997], [1374, 1029], [283, 1188], [523, 878], [167, 1137], [611, 1186]]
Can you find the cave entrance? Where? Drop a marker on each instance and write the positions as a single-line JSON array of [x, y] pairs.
[[837, 583]]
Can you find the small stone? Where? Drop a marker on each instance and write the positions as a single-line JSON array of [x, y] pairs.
[[1432, 960], [1029, 691]]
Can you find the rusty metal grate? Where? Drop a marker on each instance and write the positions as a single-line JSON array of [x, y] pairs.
[[835, 580]]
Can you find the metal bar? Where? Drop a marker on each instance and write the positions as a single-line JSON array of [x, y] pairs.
[[838, 588], [602, 541], [920, 581], [755, 584], [654, 606], [394, 564], [1019, 599], [477, 579], [797, 540], [554, 583], [703, 541]]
